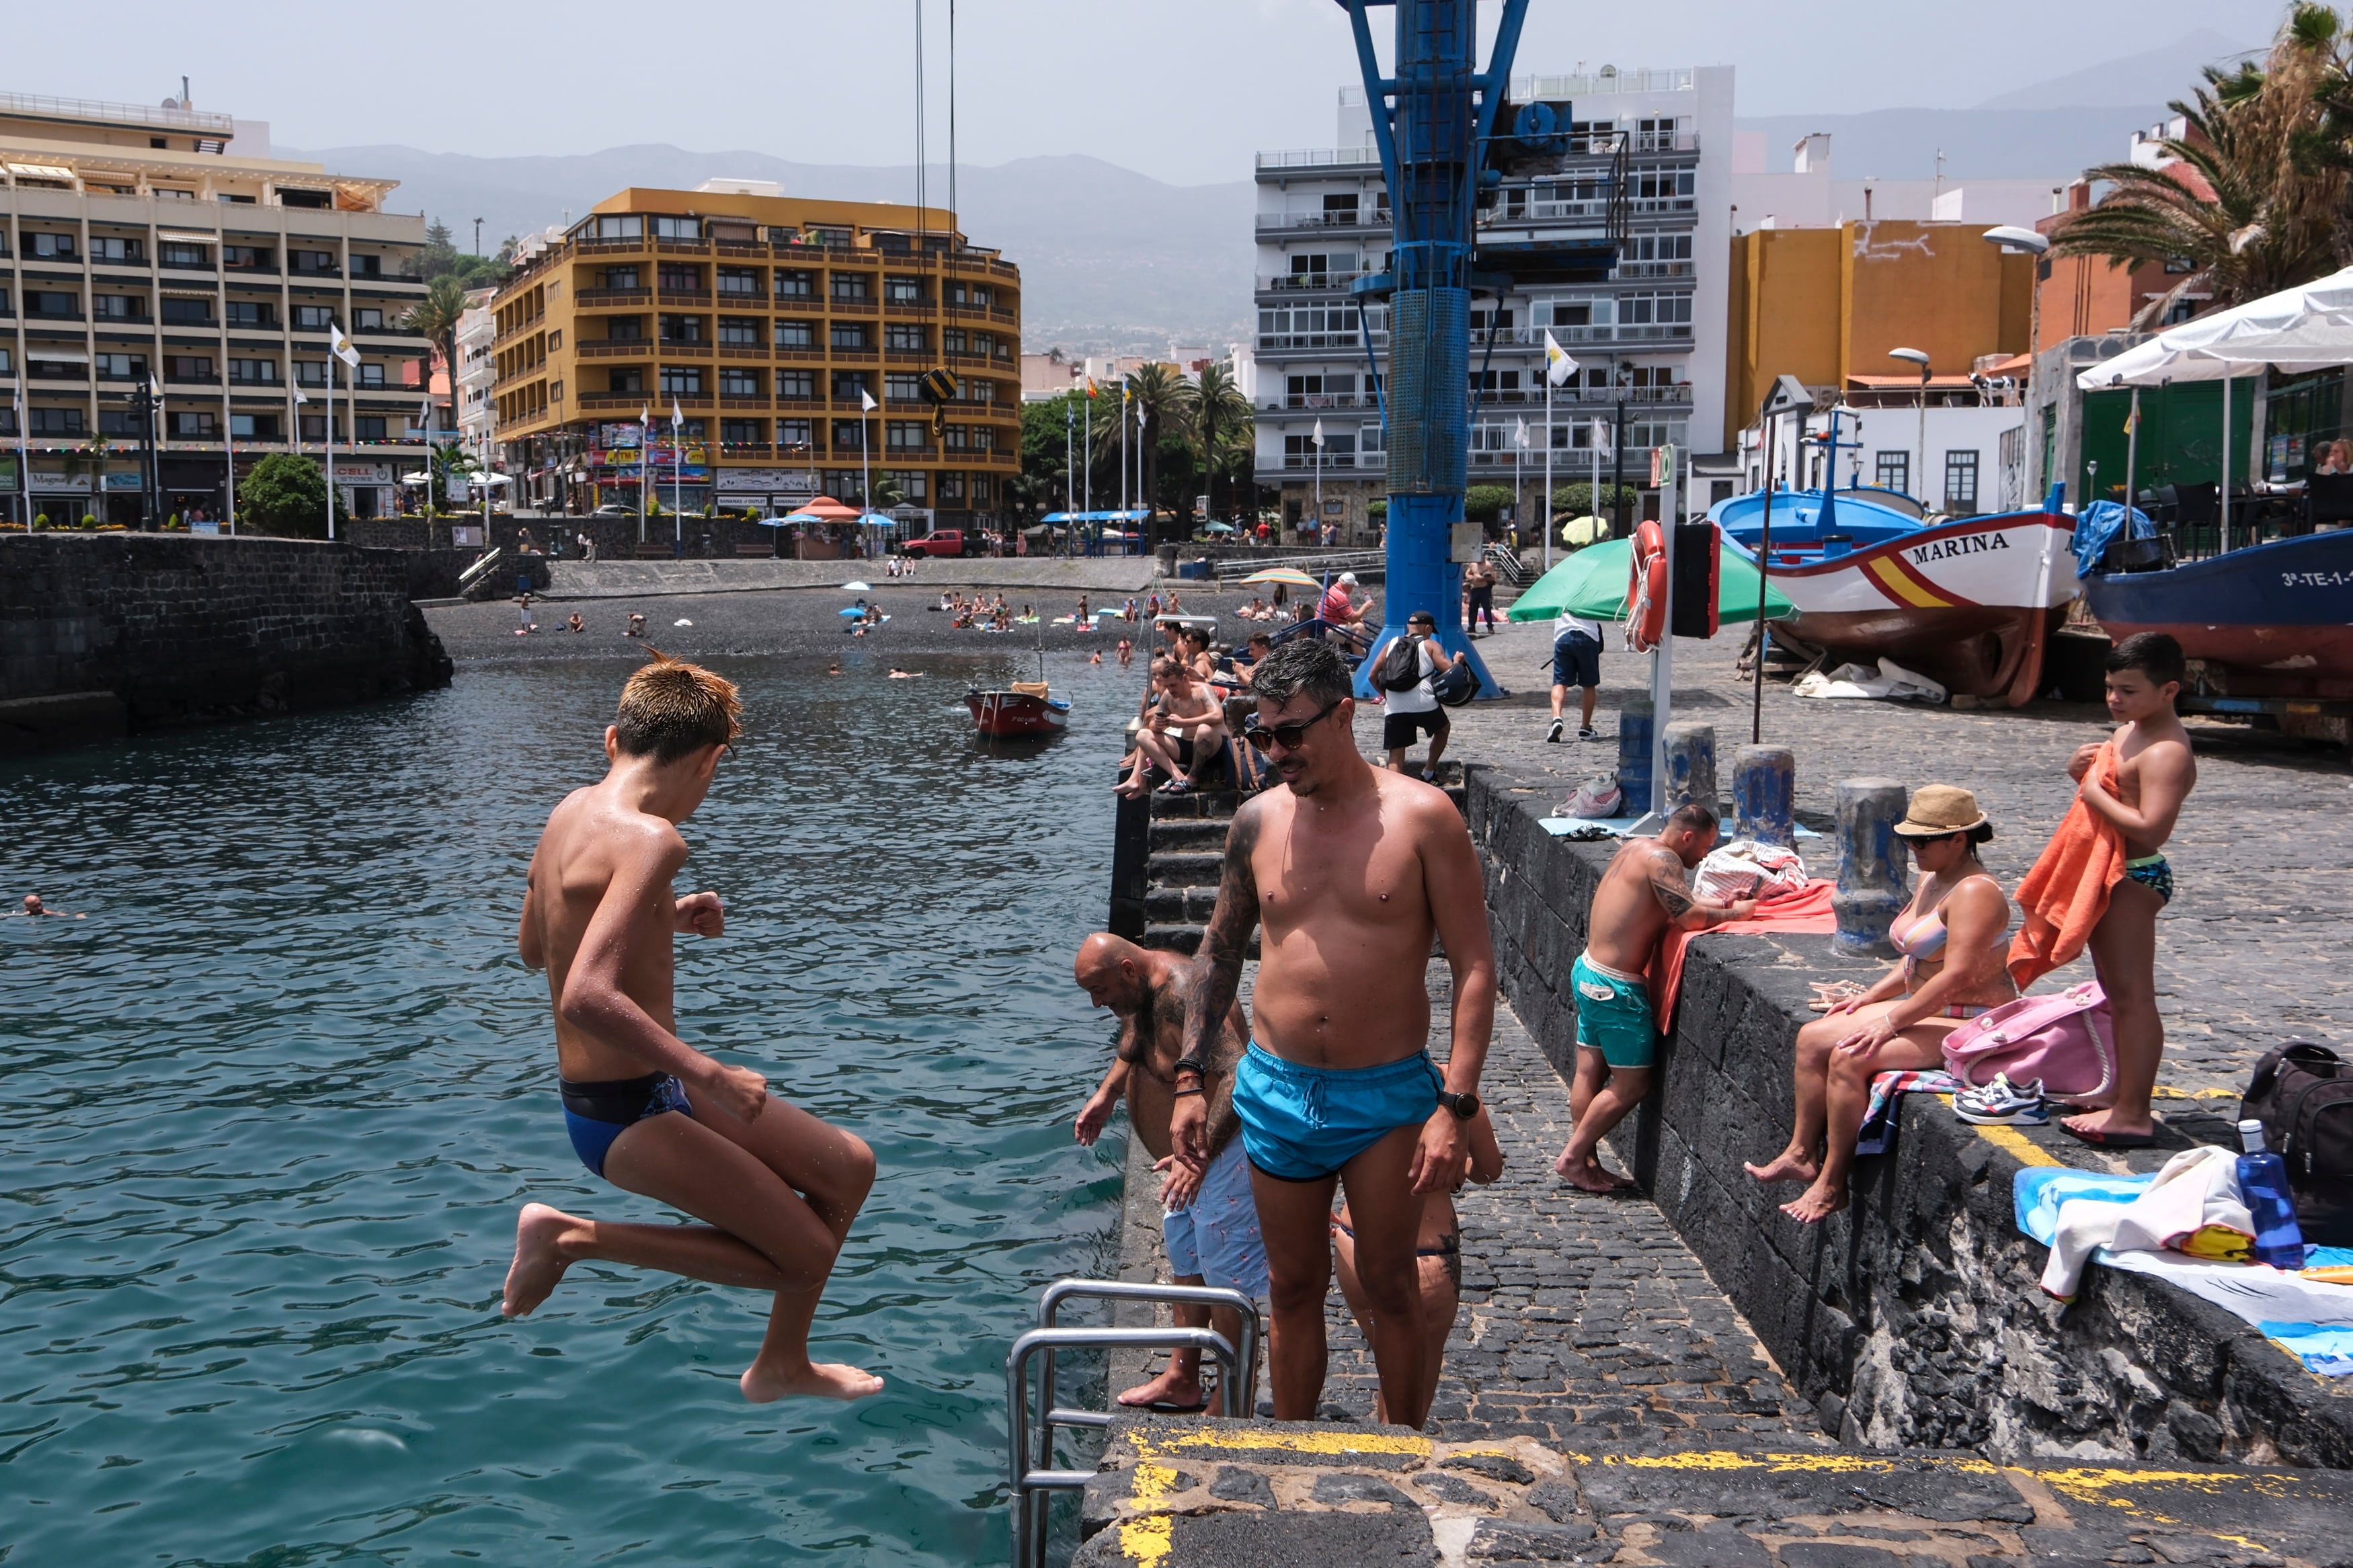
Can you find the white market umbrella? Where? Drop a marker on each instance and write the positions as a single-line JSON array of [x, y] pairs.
[[2296, 330], [856, 588]]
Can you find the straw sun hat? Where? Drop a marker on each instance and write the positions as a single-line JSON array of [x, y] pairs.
[[1937, 810]]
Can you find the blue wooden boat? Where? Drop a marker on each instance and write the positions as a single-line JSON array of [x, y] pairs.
[[2273, 620]]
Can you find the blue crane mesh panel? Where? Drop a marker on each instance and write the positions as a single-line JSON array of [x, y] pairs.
[[1429, 378]]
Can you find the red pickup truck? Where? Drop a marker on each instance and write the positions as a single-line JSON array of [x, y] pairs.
[[947, 542]]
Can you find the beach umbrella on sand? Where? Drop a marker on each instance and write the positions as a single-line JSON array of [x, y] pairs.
[[856, 588], [1291, 575], [1592, 583]]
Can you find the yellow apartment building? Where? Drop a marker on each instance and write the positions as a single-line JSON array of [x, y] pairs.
[[791, 337]]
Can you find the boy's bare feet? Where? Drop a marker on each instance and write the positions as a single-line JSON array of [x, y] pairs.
[[2097, 1126], [1179, 1391], [1589, 1177], [538, 1263], [1817, 1202], [1784, 1167], [816, 1380]]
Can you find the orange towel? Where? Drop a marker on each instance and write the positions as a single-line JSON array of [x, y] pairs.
[[1808, 909], [2066, 893]]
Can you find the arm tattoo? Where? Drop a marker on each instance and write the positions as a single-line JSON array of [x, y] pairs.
[[1217, 971], [1670, 884]]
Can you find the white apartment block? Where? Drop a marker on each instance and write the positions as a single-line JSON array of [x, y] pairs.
[[1650, 157], [165, 244], [477, 373]]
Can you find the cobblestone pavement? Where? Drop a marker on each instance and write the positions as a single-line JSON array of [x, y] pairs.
[[2250, 951]]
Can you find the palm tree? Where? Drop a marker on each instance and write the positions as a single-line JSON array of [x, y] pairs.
[[2257, 202], [436, 316], [1215, 412], [1159, 391]]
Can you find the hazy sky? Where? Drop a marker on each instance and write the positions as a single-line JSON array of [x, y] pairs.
[[1181, 90]]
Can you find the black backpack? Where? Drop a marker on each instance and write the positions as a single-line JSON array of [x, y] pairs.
[[2303, 1094], [1401, 665]]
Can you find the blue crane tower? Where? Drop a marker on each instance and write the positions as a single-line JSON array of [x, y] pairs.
[[1434, 122]]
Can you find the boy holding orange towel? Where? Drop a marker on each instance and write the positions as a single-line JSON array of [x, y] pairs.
[[2104, 876]]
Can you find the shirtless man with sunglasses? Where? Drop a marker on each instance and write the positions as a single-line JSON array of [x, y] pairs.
[[1349, 874]]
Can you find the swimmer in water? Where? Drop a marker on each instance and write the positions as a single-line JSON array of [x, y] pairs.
[[636, 624], [897, 674], [37, 910], [776, 1188]]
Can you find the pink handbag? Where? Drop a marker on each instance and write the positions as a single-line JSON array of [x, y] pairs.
[[2068, 1039]]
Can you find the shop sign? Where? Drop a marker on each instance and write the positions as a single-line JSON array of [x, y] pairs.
[[767, 481], [123, 481], [359, 473], [58, 483], [7, 473]]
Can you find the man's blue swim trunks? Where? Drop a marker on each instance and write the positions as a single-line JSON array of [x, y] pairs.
[[596, 1113], [1303, 1123]]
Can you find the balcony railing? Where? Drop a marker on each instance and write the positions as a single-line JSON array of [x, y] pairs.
[[1322, 402], [609, 299], [1655, 269], [616, 348], [1294, 342], [684, 297], [1309, 282], [673, 348], [1321, 157], [1366, 218]]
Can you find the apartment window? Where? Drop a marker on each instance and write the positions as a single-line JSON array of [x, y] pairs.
[[625, 278], [903, 432], [365, 319], [307, 318], [913, 484], [55, 369], [852, 335], [903, 388], [1493, 381], [796, 383], [795, 432], [952, 489], [851, 286], [829, 237], [254, 371], [846, 384], [735, 382], [903, 339], [310, 373], [625, 330], [631, 227], [679, 279], [1961, 482], [797, 335], [188, 367], [253, 427], [246, 258], [957, 437], [1895, 472], [311, 260], [368, 427], [370, 376], [1483, 321], [199, 312], [741, 432], [119, 421], [175, 253], [199, 424], [228, 198], [631, 379], [849, 434], [1344, 205], [742, 281], [684, 380], [120, 367], [367, 266], [794, 283], [52, 303], [681, 328], [50, 247], [902, 290], [55, 422], [287, 198], [678, 228], [739, 332], [118, 307], [116, 249]]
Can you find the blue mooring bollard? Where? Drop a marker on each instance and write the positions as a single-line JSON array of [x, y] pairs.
[[1691, 766], [1870, 870], [1634, 719], [1765, 794]]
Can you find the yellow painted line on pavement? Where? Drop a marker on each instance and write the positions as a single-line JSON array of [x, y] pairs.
[[1336, 1444], [1149, 1538], [2016, 1145], [1725, 1459]]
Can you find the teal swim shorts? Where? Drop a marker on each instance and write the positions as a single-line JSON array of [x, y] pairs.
[[1613, 1014]]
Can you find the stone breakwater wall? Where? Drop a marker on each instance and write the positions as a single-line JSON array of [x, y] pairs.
[[114, 631], [1913, 1319]]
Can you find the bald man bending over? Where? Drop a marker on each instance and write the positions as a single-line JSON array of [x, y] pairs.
[[1210, 1224]]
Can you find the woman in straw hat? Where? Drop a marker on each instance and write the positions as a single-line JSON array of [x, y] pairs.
[[1953, 936]]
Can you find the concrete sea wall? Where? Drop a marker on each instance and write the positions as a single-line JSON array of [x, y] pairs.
[[1913, 1319], [100, 634]]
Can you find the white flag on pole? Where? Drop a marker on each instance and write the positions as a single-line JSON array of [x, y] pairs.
[[1558, 366], [1318, 436], [342, 346], [677, 420], [1519, 432], [866, 401], [298, 398]]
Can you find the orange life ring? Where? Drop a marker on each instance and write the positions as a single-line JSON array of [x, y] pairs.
[[1646, 589]]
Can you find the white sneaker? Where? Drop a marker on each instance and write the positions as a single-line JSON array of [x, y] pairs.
[[1554, 732], [2003, 1104]]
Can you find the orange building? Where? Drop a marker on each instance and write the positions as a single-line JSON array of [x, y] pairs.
[[2084, 296]]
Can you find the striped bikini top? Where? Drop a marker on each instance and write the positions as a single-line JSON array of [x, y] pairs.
[[1923, 938]]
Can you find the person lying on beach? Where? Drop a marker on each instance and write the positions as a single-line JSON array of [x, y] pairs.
[[776, 1188], [1210, 1221], [574, 624], [36, 910], [1437, 1259], [1646, 889], [1952, 936]]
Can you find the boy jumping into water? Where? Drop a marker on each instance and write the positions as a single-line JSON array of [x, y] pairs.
[[777, 1188]]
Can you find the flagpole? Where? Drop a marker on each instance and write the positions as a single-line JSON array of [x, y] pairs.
[[331, 357], [228, 446], [25, 460], [1544, 508], [676, 461], [644, 465], [1089, 443]]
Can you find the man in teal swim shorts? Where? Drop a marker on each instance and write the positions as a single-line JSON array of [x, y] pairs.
[[1348, 874], [1646, 891]]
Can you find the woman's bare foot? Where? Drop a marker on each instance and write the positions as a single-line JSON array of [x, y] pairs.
[[1816, 1203], [1589, 1176], [816, 1380], [538, 1263], [1786, 1166], [1179, 1390]]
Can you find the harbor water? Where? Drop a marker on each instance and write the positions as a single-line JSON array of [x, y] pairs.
[[278, 1097]]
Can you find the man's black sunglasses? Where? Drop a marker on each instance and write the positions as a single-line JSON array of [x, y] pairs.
[[1290, 735]]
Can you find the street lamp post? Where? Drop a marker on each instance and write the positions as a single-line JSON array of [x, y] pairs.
[[1914, 357], [1618, 529], [2015, 240]]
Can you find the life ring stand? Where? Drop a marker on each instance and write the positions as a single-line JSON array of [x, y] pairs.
[[1646, 589]]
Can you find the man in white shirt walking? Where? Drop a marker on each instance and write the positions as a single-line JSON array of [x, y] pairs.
[[1413, 710], [1576, 661]]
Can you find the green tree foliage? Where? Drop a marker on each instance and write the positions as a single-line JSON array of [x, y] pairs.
[[1223, 430], [1376, 512], [1576, 500], [286, 495], [1485, 503], [441, 259], [436, 316]]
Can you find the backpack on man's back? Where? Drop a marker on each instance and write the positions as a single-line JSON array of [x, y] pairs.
[[1401, 665]]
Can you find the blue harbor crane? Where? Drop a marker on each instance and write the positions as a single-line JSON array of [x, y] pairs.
[[1435, 124]]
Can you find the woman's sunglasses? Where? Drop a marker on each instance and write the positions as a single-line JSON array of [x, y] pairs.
[[1290, 735]]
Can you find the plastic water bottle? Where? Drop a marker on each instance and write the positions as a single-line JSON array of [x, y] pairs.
[[2262, 1183]]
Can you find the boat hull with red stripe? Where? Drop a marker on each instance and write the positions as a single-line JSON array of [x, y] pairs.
[[1015, 715], [2273, 620], [1970, 604]]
